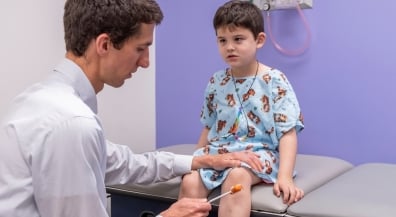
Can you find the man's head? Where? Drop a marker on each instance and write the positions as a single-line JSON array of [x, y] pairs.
[[109, 39], [239, 14], [84, 20]]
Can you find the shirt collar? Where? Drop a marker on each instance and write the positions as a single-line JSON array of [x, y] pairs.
[[72, 74]]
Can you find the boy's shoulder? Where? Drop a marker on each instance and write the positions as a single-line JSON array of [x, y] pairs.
[[219, 75], [273, 72], [270, 70]]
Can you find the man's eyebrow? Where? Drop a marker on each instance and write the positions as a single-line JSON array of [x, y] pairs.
[[146, 44]]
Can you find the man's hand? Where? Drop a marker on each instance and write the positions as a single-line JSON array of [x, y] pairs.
[[187, 207], [222, 161], [290, 192]]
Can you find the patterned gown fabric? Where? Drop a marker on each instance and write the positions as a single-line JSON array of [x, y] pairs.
[[244, 118]]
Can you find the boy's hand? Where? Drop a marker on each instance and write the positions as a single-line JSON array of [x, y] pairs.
[[290, 192]]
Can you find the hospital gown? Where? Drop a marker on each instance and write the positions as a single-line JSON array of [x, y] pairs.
[[243, 118]]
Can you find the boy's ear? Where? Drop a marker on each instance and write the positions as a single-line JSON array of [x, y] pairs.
[[261, 38], [102, 43]]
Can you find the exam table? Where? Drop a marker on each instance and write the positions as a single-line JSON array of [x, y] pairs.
[[333, 188]]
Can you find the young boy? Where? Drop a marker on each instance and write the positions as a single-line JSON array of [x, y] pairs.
[[248, 106]]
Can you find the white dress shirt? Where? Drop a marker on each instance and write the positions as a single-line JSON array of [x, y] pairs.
[[54, 158]]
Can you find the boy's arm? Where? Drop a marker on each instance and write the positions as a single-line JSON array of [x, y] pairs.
[[287, 155], [285, 183], [203, 139]]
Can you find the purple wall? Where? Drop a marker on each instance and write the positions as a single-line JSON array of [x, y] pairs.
[[345, 82]]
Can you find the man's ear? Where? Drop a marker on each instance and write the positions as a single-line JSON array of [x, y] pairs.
[[261, 38], [103, 43]]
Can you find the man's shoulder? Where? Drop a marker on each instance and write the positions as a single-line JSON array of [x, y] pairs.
[[42, 103]]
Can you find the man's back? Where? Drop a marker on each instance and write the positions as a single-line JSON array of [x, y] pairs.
[[32, 118]]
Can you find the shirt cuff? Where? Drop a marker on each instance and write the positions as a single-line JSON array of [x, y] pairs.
[[183, 164]]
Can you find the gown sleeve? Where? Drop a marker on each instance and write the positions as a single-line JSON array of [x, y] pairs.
[[286, 109]]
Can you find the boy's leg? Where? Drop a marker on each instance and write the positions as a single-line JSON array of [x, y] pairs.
[[238, 204], [192, 186]]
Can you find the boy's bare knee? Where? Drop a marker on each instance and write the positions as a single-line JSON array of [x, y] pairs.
[[240, 174], [192, 186], [191, 179]]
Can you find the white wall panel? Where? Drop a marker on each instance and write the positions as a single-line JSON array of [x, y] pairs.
[[32, 44]]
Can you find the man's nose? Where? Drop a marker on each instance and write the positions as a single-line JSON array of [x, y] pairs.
[[144, 60]]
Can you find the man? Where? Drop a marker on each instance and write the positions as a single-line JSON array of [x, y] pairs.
[[54, 157]]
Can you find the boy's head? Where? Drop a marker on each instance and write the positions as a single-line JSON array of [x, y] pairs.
[[239, 14], [84, 20]]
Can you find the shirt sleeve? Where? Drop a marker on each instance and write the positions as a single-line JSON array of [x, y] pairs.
[[126, 167], [68, 170]]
